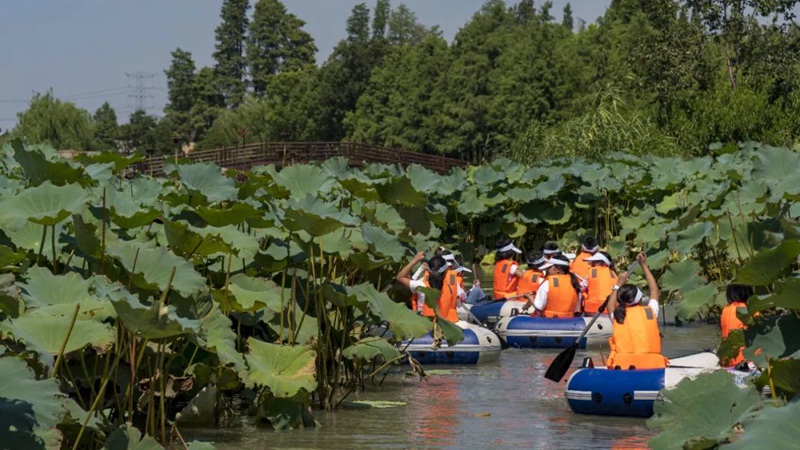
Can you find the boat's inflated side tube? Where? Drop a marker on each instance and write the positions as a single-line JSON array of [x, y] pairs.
[[614, 392], [479, 346]]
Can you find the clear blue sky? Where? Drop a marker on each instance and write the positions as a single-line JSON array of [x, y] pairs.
[[83, 48]]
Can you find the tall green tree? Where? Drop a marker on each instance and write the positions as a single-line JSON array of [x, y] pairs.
[[145, 134], [358, 24], [383, 9], [567, 21], [276, 43], [229, 51], [63, 125], [182, 96], [106, 127], [404, 27]]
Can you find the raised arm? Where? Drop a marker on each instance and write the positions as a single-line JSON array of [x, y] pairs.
[[612, 300], [404, 276], [651, 281]]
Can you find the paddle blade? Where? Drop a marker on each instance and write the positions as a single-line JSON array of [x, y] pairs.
[[561, 364]]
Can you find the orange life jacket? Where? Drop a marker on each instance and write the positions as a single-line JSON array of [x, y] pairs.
[[635, 342], [561, 297], [448, 299], [729, 322], [600, 281], [415, 298], [529, 283], [580, 267], [505, 281]]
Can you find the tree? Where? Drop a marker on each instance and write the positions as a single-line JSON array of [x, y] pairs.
[[63, 125], [567, 21], [209, 102], [229, 49], [404, 28], [381, 19], [277, 42], [106, 127], [182, 95], [358, 24], [144, 134]]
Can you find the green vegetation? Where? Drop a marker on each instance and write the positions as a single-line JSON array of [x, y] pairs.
[[662, 77], [266, 285]]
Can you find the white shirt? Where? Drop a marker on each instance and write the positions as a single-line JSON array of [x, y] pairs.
[[540, 302], [652, 303], [415, 285]]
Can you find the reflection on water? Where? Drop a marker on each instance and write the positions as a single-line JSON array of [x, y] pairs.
[[448, 411]]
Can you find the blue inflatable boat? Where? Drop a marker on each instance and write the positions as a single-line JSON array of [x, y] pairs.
[[491, 312], [600, 391], [524, 331], [479, 346]]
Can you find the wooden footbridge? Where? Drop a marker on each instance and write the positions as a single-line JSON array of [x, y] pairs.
[[282, 154]]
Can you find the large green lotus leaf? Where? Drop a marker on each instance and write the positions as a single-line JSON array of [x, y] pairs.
[[390, 217], [208, 180], [729, 347], [669, 203], [382, 243], [30, 408], [337, 242], [118, 160], [243, 244], [45, 332], [681, 276], [128, 437], [400, 191], [38, 169], [512, 169], [155, 265], [773, 428], [487, 177], [304, 179], [337, 167], [186, 242], [785, 377], [9, 258], [696, 300], [769, 264], [103, 174], [403, 323], [369, 348], [125, 210], [700, 411], [216, 335], [58, 295], [201, 409], [45, 204], [783, 296], [688, 238], [284, 369], [778, 168], [452, 332], [773, 337], [87, 237], [151, 322], [423, 179], [550, 187], [471, 203], [233, 215], [748, 200], [522, 194], [253, 294], [366, 262], [360, 188], [557, 215], [455, 181], [287, 413], [596, 174], [315, 216]]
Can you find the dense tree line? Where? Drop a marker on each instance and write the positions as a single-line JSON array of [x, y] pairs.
[[651, 77]]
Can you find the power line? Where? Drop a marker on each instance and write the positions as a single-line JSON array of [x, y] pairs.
[[69, 96], [141, 88]]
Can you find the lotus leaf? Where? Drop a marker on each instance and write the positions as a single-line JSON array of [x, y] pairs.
[[773, 337], [39, 169], [470, 203], [681, 276], [403, 323], [57, 295], [314, 216], [778, 167], [455, 181], [696, 300], [382, 243], [284, 370], [692, 236], [45, 332], [550, 187], [773, 427], [201, 409], [207, 179], [369, 348], [151, 322], [230, 215], [45, 204], [784, 296], [303, 180], [423, 179], [785, 376], [769, 264], [216, 335], [118, 161], [287, 413], [557, 215], [669, 203], [155, 265], [729, 347], [700, 412], [128, 437], [255, 293], [389, 216], [401, 192], [10, 258]]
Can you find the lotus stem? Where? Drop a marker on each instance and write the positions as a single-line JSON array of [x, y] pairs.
[[66, 339], [162, 403], [133, 269], [169, 285], [53, 248], [103, 241], [41, 244]]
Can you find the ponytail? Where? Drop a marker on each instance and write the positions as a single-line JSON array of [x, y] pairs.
[[626, 296]]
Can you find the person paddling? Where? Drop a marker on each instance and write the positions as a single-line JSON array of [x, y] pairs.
[[533, 277], [580, 266], [635, 341], [506, 271], [559, 294], [599, 282], [737, 295], [438, 278]]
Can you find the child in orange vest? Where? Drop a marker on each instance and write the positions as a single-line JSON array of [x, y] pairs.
[[533, 277], [560, 294], [635, 340], [599, 282], [506, 271], [737, 295], [439, 277], [580, 266]]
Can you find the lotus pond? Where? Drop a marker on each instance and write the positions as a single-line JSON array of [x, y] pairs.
[[134, 308]]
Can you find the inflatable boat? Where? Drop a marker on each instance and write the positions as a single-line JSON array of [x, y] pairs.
[[479, 346], [524, 331], [600, 391], [490, 313]]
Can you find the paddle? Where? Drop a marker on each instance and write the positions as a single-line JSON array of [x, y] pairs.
[[561, 364]]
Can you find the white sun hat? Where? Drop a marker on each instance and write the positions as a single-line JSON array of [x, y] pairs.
[[509, 247], [598, 257]]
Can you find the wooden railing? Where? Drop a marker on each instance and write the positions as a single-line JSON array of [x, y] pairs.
[[285, 153]]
